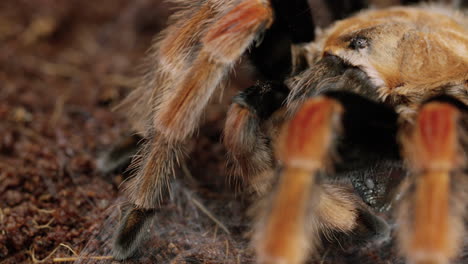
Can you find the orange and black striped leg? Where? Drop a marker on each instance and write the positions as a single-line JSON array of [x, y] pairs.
[[304, 205], [247, 134], [432, 214]]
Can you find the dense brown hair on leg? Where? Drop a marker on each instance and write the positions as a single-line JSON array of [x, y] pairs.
[[186, 77], [181, 104], [251, 124], [169, 58], [190, 60], [433, 232], [156, 163], [250, 157]]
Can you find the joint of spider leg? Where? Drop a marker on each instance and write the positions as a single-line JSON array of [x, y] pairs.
[[306, 140], [228, 38], [436, 138], [263, 99], [433, 154]]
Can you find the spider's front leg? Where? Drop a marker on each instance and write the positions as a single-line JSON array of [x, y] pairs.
[[286, 238], [192, 58], [304, 206], [432, 215]]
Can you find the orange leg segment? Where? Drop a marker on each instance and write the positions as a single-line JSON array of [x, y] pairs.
[[303, 148], [223, 43], [433, 154]]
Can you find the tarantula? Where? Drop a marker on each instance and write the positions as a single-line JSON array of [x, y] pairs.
[[383, 91]]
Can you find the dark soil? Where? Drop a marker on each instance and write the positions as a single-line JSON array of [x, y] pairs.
[[64, 65]]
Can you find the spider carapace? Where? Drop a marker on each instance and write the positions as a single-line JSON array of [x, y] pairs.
[[365, 116]]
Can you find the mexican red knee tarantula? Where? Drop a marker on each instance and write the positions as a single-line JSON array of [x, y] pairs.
[[378, 98]]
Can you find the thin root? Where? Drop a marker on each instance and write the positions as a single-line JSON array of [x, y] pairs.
[[64, 259], [38, 226], [202, 208]]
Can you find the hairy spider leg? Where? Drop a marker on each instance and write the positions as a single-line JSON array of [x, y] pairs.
[[285, 238], [182, 99], [305, 206], [433, 231], [181, 106], [251, 120]]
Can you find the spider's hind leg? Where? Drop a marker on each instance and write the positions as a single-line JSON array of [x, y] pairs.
[[432, 214]]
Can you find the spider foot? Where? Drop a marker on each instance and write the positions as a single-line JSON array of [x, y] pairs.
[[119, 157], [132, 231]]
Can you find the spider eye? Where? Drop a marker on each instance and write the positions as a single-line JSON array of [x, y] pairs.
[[359, 43]]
